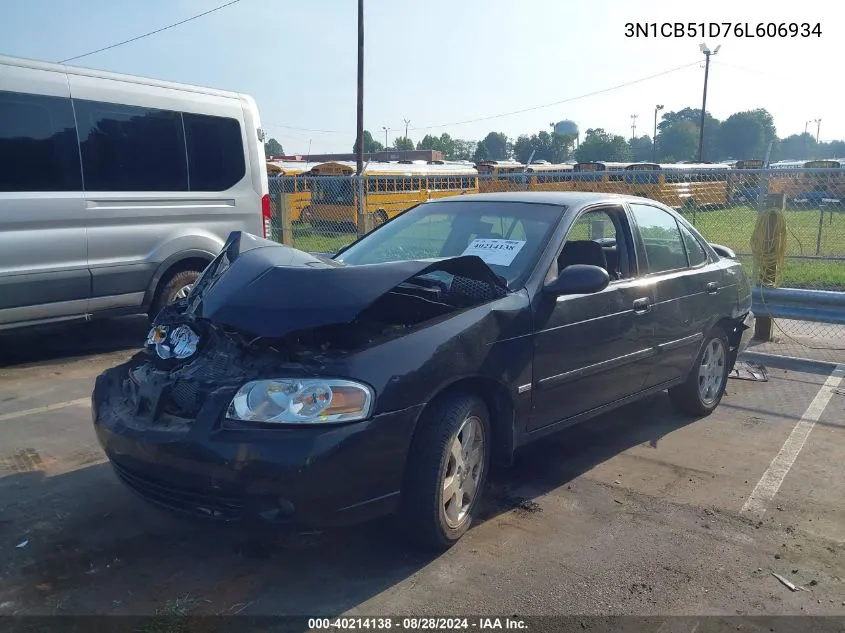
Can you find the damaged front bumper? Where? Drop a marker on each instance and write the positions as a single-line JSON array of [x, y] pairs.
[[308, 475]]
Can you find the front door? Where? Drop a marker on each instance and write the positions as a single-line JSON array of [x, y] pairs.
[[589, 350]]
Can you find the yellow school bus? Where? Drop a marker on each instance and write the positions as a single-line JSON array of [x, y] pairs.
[[603, 176], [500, 175], [744, 185], [289, 186], [549, 177], [793, 179], [679, 184], [390, 189]]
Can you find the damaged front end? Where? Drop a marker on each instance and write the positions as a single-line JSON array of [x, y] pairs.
[[261, 309]]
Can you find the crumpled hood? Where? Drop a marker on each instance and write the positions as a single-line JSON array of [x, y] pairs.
[[270, 290]]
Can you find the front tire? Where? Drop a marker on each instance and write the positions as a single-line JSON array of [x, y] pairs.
[[446, 472], [703, 389]]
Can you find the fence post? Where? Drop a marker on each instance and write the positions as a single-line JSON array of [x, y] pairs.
[[361, 214], [286, 226], [819, 234], [769, 274]]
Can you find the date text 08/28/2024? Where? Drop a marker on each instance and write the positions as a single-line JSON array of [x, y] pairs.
[[413, 624], [722, 29]]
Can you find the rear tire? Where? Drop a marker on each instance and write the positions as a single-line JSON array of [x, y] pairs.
[[703, 389], [175, 287], [449, 459], [380, 217]]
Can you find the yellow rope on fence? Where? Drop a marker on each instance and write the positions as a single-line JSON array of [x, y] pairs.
[[768, 246]]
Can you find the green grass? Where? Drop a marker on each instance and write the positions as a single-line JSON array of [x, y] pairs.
[[306, 239], [733, 228]]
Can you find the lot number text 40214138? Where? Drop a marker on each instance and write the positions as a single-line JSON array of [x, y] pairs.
[[420, 623], [722, 29]]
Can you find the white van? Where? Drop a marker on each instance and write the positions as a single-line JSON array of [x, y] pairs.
[[116, 191]]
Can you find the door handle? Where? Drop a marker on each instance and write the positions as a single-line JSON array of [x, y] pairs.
[[642, 306], [712, 288]]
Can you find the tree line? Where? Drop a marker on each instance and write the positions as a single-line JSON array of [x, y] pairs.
[[741, 136]]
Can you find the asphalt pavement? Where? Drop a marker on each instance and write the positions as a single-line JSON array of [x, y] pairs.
[[639, 512]]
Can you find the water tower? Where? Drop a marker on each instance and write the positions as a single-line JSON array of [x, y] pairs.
[[567, 128]]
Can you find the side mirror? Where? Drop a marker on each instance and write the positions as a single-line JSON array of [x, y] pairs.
[[723, 251], [578, 279]]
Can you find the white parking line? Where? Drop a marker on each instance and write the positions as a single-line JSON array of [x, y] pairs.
[[770, 482], [5, 417]]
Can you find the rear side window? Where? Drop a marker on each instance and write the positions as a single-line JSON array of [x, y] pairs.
[[130, 148], [215, 152], [695, 251], [664, 245], [38, 150]]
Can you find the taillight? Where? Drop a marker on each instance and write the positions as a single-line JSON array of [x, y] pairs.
[[266, 215]]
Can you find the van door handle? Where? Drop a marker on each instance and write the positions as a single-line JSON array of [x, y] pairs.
[[642, 306], [712, 288]]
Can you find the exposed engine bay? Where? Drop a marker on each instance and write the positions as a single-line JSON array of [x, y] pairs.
[[189, 352]]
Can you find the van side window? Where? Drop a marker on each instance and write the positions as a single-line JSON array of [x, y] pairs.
[[38, 150], [215, 152], [129, 148]]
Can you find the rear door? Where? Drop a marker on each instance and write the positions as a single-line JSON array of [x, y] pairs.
[[685, 283], [43, 266], [591, 350]]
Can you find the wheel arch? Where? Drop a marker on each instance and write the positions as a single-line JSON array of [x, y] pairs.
[[192, 259], [500, 405]]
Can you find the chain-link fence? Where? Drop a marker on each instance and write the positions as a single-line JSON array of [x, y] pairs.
[[806, 243]]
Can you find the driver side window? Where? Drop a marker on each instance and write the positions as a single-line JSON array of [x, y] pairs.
[[596, 238]]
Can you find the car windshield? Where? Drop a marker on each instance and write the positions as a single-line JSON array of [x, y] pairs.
[[508, 236]]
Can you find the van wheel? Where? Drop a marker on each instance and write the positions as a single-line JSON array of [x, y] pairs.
[[380, 217], [176, 287], [703, 389], [446, 472]]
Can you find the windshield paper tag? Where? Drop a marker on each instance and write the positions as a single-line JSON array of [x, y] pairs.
[[495, 252]]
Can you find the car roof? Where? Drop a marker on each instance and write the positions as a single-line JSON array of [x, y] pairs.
[[570, 199]]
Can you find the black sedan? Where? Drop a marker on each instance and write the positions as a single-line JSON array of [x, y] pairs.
[[300, 390]]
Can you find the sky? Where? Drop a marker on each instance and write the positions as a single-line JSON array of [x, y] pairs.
[[444, 64]]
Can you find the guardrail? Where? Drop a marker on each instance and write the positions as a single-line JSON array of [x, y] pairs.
[[821, 306]]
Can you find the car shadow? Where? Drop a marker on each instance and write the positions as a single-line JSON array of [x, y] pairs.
[[91, 546], [561, 457], [41, 344]]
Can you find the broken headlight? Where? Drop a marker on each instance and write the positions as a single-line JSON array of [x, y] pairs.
[[301, 401]]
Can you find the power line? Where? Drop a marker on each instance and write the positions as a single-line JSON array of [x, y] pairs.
[[301, 129], [139, 37], [567, 100], [496, 116], [748, 70]]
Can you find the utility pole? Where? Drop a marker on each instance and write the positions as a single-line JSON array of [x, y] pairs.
[[360, 115], [707, 53], [806, 148], [407, 121], [386, 129], [657, 108], [818, 123], [633, 127], [361, 219]]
